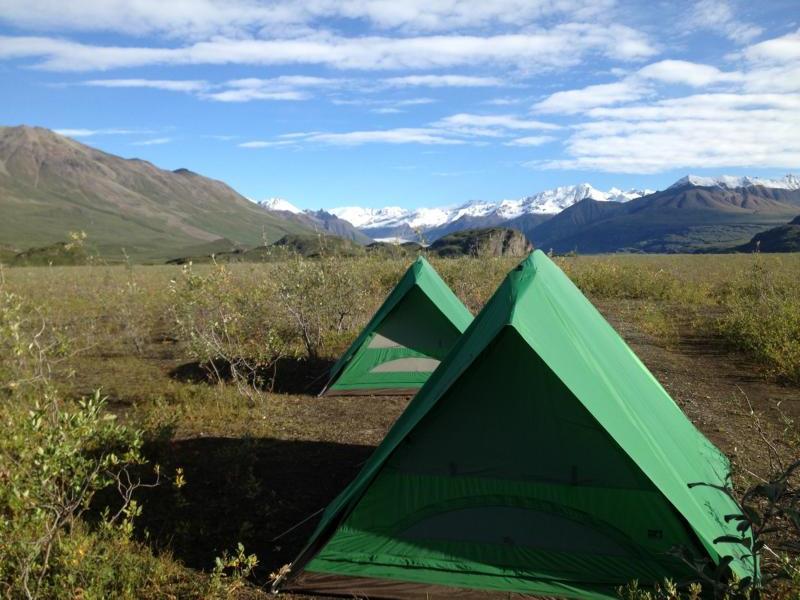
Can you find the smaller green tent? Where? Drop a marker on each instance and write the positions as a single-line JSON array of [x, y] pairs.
[[404, 341]]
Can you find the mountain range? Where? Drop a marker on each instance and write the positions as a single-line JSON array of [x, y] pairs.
[[51, 185], [400, 224], [693, 214], [319, 221]]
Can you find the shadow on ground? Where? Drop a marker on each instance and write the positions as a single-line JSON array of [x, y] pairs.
[[244, 490], [287, 376]]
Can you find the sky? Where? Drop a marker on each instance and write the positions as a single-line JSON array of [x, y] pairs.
[[414, 102]]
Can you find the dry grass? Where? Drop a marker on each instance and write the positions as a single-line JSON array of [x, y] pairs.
[[256, 464]]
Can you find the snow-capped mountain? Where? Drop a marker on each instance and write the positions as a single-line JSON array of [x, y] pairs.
[[279, 204], [397, 222], [787, 182]]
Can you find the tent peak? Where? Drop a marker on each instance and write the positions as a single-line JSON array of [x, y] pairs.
[[421, 262]]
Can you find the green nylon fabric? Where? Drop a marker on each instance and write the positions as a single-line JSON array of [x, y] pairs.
[[621, 458], [480, 497], [422, 315]]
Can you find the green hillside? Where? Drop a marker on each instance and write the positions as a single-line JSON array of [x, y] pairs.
[[51, 185], [686, 219], [784, 238]]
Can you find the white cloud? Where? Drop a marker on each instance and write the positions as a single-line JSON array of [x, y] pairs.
[[249, 94], [719, 16], [702, 131], [80, 132], [467, 123], [575, 101], [285, 87], [402, 135], [205, 18], [386, 110], [462, 128], [749, 118], [532, 140], [443, 81], [265, 144], [172, 85], [383, 106], [503, 101], [153, 142], [777, 50], [561, 46], [687, 73]]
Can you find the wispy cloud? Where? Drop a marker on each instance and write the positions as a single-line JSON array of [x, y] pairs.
[[266, 143], [742, 118], [720, 16], [206, 18], [172, 85], [435, 81], [285, 87], [700, 131], [153, 142], [403, 135], [781, 49], [531, 140], [687, 73], [561, 46], [462, 128], [503, 101], [491, 125], [384, 106], [386, 110], [575, 101], [82, 132]]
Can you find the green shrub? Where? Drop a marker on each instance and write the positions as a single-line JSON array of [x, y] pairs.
[[608, 279], [761, 316], [320, 298], [231, 329], [57, 457], [230, 573]]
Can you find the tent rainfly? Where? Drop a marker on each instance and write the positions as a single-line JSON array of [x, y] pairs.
[[541, 459], [405, 340]]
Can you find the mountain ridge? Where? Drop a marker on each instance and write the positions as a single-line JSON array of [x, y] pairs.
[[397, 222], [51, 184], [686, 218]]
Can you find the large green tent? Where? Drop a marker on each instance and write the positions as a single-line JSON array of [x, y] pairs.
[[541, 459], [405, 340]]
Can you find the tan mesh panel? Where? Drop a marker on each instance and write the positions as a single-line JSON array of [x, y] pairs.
[[379, 341], [406, 365]]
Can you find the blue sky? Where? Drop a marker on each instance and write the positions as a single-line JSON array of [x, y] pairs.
[[413, 102]]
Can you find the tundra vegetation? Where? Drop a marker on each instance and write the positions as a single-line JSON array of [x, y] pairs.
[[161, 435]]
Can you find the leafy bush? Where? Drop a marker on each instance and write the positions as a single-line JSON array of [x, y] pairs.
[[231, 329], [608, 279], [320, 298], [55, 457], [28, 346], [762, 317], [58, 458], [230, 573]]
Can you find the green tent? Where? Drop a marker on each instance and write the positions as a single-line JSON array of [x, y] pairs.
[[542, 459], [406, 339]]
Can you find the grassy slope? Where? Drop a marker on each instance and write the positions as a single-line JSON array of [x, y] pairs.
[[785, 238], [50, 185]]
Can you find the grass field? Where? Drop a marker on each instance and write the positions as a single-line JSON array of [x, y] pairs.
[[246, 450]]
